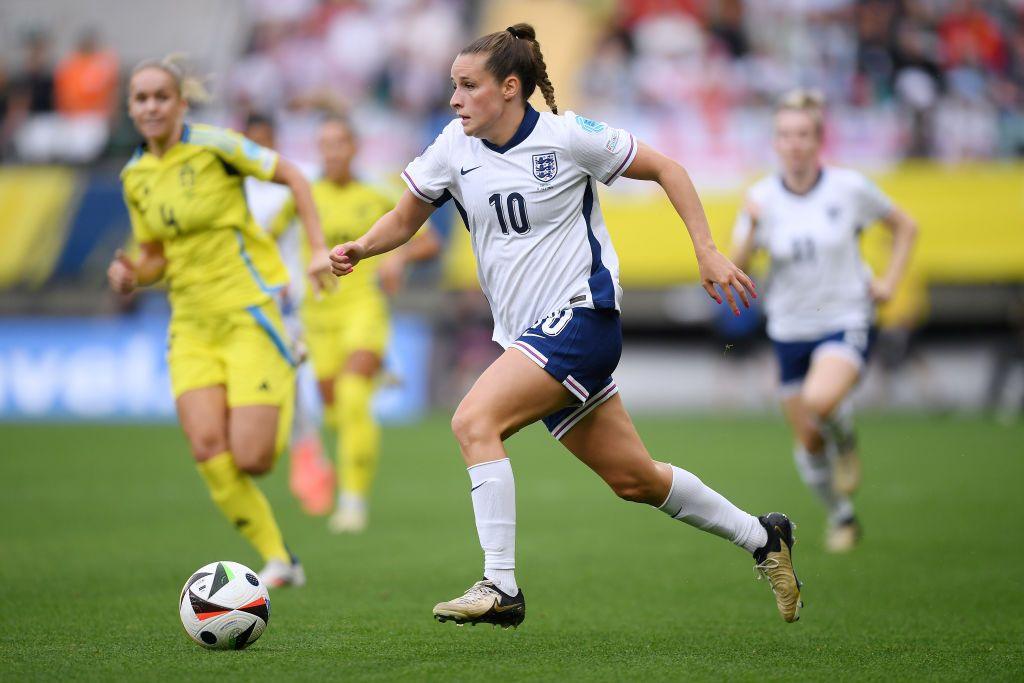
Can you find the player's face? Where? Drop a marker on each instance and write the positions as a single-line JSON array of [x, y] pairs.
[[154, 103], [477, 96], [337, 149], [262, 134], [797, 140]]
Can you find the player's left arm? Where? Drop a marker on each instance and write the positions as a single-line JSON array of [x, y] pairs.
[[287, 173], [904, 234], [715, 268]]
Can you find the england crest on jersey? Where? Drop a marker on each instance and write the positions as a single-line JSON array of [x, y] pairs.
[[545, 166]]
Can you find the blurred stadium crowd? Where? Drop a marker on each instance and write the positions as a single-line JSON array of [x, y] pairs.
[[926, 95], [932, 78], [950, 73]]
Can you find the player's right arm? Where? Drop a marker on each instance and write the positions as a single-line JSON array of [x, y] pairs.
[[125, 274], [744, 238], [391, 231]]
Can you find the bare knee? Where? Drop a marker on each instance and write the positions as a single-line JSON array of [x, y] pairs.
[[256, 466], [254, 458], [469, 427], [472, 428], [817, 404], [637, 486], [207, 443]]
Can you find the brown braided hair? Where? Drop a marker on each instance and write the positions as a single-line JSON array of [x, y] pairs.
[[516, 51]]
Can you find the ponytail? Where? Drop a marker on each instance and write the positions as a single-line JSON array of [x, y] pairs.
[[516, 51], [191, 86]]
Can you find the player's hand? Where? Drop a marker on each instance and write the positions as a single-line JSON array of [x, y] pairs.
[[121, 274], [319, 271], [880, 290], [716, 269], [392, 273], [344, 258]]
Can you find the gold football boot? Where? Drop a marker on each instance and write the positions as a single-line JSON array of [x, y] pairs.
[[774, 562], [483, 603]]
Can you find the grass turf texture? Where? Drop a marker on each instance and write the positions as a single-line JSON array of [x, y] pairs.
[[102, 525]]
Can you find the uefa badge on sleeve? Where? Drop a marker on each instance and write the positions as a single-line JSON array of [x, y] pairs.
[[545, 166]]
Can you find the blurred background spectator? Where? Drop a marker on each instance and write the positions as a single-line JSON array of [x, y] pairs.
[[925, 95], [31, 88], [931, 78], [86, 80], [63, 114], [939, 78]]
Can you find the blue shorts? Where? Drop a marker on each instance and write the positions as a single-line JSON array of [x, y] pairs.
[[579, 347], [795, 356]]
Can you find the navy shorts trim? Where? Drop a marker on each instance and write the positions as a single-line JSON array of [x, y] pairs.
[[560, 422], [795, 356], [579, 347]]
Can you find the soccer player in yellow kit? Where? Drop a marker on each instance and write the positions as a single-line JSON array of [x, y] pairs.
[[347, 330], [231, 367]]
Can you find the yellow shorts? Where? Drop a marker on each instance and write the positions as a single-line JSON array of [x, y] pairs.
[[246, 351], [364, 326]]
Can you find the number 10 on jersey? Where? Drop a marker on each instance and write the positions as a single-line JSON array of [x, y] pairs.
[[517, 217]]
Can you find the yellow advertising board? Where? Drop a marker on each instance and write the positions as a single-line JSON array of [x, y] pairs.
[[971, 220]]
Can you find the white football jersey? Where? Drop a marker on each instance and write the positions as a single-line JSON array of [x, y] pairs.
[[818, 283], [532, 212]]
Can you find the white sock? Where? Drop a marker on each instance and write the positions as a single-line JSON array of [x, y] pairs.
[[494, 504], [351, 502], [816, 471], [691, 501]]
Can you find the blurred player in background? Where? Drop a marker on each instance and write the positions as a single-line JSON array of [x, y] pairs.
[[311, 477], [347, 330], [231, 365], [821, 296], [525, 185]]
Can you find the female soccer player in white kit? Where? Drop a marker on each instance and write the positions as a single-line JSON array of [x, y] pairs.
[[820, 298], [525, 185]]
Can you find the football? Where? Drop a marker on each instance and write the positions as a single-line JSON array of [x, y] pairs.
[[224, 606]]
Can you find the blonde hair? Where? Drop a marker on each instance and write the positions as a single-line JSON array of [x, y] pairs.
[[810, 102], [191, 86]]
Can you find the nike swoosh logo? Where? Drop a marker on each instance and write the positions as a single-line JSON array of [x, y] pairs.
[[477, 486], [464, 171], [531, 334], [497, 607]]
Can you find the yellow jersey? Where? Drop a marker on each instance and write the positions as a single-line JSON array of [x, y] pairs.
[[192, 199], [347, 212]]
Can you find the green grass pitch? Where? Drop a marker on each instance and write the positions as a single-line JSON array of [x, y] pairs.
[[102, 525]]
